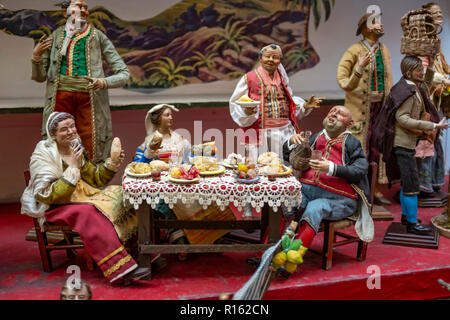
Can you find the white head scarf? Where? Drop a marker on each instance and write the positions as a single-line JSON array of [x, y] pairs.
[[45, 168], [149, 126]]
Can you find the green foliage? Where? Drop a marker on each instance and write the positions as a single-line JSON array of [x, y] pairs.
[[298, 55], [234, 74], [316, 7], [201, 60], [229, 38], [38, 33], [294, 3], [95, 18], [166, 73]]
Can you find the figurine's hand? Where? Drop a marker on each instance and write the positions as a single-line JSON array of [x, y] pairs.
[[75, 158], [322, 165], [41, 47], [95, 83], [296, 139], [364, 59], [313, 102], [156, 142], [442, 125]]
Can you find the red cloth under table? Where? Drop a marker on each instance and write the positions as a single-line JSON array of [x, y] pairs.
[[98, 235]]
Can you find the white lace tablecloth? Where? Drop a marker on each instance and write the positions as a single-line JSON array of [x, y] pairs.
[[222, 190]]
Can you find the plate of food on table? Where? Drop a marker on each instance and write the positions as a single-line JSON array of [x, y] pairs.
[[247, 173], [271, 165], [246, 101], [207, 166], [143, 170], [206, 149], [232, 161], [184, 174]]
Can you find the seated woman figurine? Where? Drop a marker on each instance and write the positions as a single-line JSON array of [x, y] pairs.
[[161, 141], [64, 189]]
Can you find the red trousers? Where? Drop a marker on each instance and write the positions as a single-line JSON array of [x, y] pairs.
[[98, 235], [78, 104]]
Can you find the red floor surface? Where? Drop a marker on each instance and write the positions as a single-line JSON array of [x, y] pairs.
[[406, 273]]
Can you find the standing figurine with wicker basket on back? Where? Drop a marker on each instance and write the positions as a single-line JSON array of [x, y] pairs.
[[421, 28]]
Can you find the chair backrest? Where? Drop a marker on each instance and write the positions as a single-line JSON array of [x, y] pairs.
[[373, 179], [26, 175]]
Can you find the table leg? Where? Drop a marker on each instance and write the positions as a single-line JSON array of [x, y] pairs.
[[274, 225], [144, 234]]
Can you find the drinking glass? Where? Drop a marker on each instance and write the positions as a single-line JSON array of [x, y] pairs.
[[316, 155]]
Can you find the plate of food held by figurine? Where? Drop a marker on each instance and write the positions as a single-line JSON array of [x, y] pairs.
[[246, 101]]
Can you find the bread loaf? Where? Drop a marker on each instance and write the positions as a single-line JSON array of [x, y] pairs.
[[116, 148]]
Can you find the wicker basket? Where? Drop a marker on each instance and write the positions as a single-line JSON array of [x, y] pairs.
[[443, 231], [300, 156], [420, 34]]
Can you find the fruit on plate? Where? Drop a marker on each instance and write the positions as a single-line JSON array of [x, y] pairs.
[[243, 172], [242, 167], [186, 173], [175, 173], [245, 98]]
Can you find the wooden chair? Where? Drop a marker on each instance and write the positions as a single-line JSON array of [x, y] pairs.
[[67, 243], [330, 229]]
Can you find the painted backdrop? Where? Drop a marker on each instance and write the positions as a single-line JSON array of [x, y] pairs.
[[193, 41]]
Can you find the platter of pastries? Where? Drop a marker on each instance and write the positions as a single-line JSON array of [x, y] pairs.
[[266, 158], [138, 169], [207, 166], [232, 160], [142, 169], [276, 168], [246, 101]]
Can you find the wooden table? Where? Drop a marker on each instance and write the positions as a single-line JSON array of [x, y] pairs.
[[266, 196]]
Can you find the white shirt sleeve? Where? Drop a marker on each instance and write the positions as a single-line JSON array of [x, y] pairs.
[[330, 168], [438, 78], [236, 111]]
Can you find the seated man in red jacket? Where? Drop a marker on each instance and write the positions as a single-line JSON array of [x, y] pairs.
[[336, 186]]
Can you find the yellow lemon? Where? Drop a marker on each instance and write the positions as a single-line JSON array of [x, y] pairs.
[[242, 167], [294, 257], [279, 259], [302, 250], [290, 267], [175, 173]]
